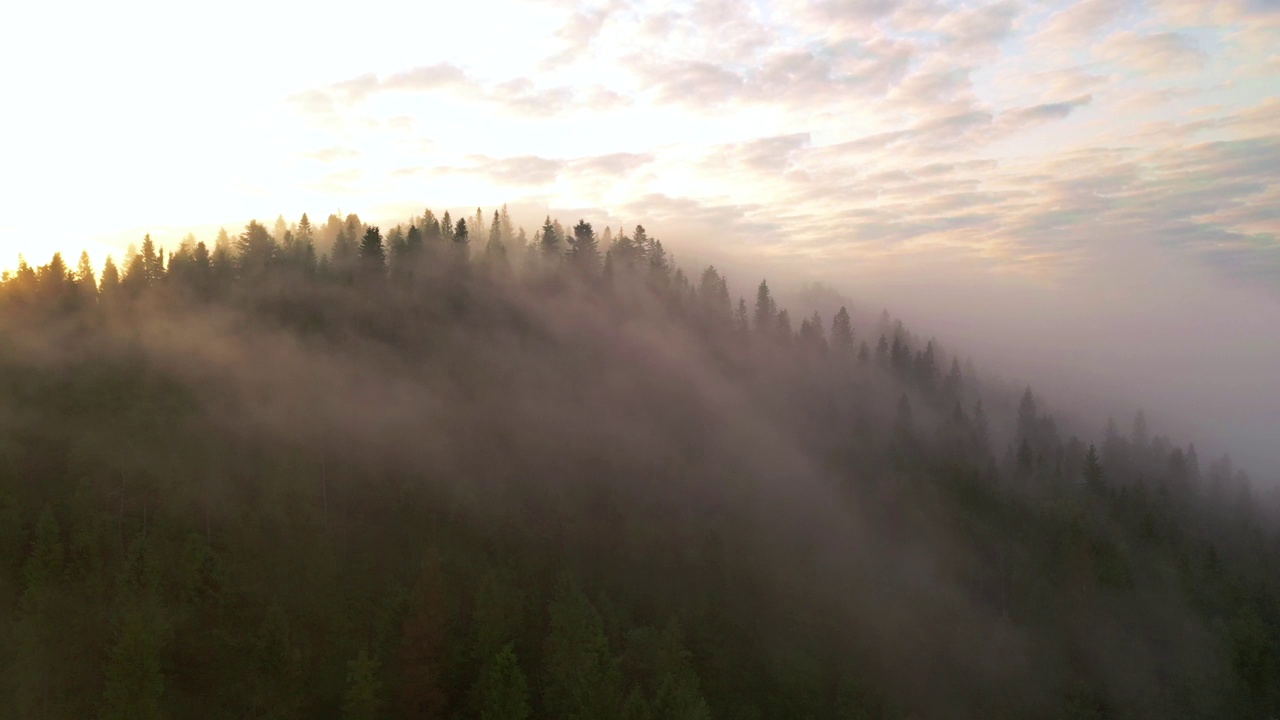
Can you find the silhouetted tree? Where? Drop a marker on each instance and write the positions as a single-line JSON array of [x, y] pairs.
[[372, 254], [583, 248], [766, 310]]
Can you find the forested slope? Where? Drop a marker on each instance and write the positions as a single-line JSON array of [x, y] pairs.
[[453, 472]]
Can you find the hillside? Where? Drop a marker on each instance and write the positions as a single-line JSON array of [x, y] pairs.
[[449, 472]]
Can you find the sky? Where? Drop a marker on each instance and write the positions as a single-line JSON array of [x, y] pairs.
[[1087, 192]]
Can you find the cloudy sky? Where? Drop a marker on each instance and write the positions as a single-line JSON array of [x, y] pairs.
[[1091, 187]]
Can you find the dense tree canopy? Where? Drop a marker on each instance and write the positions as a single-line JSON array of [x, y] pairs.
[[321, 470]]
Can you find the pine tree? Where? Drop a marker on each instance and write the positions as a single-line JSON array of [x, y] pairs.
[[927, 369], [134, 686], [495, 251], [953, 382], [396, 245], [413, 242], [742, 319], [659, 263], [135, 274], [811, 333], [1027, 416], [506, 229], [364, 691], [446, 229], [1093, 470], [783, 331], [305, 233], [86, 282], [110, 278], [502, 690], [34, 681], [423, 645], [766, 310], [581, 677], [550, 239], [152, 264], [354, 227], [981, 431], [372, 253], [584, 250], [279, 229], [461, 242], [344, 251], [56, 282], [255, 249], [842, 335]]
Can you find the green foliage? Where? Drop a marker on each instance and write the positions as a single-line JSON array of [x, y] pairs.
[[364, 691], [502, 691], [261, 485], [134, 670], [580, 676]]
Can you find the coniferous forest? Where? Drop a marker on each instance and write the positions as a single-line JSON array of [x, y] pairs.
[[450, 470]]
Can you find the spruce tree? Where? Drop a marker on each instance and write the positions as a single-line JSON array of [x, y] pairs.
[[766, 310], [842, 334]]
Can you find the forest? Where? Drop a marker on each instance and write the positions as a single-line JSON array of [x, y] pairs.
[[451, 470]]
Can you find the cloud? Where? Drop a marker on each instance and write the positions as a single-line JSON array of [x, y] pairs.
[[934, 87], [823, 74], [981, 28], [1167, 52], [1080, 21], [532, 170], [330, 154], [1041, 113], [520, 95], [690, 82], [841, 16], [520, 170], [427, 77], [768, 155], [1193, 12], [969, 129], [613, 163]]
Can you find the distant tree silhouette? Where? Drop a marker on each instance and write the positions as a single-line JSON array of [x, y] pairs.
[[766, 309]]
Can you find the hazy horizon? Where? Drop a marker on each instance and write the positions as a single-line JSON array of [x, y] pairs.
[[1081, 196]]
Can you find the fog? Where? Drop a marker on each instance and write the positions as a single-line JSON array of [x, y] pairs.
[[890, 532], [1197, 349]]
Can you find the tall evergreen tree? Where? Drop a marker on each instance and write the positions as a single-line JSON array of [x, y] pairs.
[[85, 280], [446, 229], [423, 655], [152, 263], [372, 254], [584, 250], [255, 249], [1027, 417], [842, 335], [110, 278], [502, 689], [581, 677], [550, 239], [766, 309], [741, 318], [495, 251], [461, 242], [364, 690]]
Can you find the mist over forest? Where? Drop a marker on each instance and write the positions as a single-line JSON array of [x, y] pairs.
[[451, 468]]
